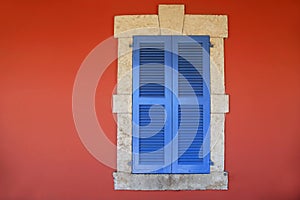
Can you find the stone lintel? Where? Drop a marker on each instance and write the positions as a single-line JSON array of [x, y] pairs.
[[129, 25], [213, 25]]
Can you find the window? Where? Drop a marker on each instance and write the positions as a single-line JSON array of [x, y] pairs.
[[171, 104], [160, 101]]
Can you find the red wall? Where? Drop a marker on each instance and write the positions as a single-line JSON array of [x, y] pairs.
[[42, 44]]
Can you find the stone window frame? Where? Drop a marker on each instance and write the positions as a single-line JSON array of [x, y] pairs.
[[171, 20]]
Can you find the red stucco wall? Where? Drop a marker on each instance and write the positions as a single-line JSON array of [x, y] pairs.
[[42, 44]]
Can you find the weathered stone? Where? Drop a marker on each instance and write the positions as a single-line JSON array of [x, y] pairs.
[[129, 25], [213, 25], [213, 181], [171, 19], [124, 138], [219, 103], [217, 142], [124, 46], [125, 74], [122, 103], [217, 66], [124, 85]]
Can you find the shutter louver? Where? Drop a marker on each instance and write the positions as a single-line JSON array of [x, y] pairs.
[[190, 134], [151, 134], [190, 81], [152, 76]]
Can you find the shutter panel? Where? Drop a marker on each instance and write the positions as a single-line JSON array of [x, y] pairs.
[[151, 104], [191, 109]]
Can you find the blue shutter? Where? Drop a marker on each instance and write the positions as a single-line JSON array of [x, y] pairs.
[[151, 104], [171, 127], [191, 107]]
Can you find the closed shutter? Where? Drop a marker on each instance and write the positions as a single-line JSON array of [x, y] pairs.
[[171, 108], [191, 110], [151, 104]]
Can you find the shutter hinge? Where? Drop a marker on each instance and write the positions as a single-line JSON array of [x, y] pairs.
[[211, 45], [130, 45]]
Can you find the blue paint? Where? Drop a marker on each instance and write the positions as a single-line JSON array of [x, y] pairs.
[[165, 102]]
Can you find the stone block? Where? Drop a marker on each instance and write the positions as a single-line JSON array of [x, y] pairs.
[[124, 139], [129, 25], [122, 103], [124, 46], [212, 181], [217, 142], [217, 66], [213, 25], [219, 103], [171, 19], [124, 66]]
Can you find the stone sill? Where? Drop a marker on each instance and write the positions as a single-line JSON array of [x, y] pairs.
[[212, 181]]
